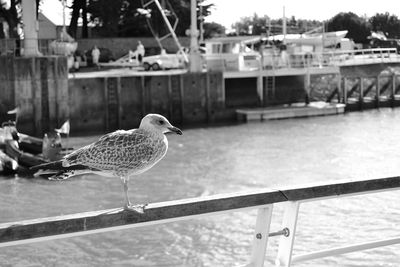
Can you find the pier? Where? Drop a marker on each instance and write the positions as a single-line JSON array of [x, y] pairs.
[[351, 94], [343, 80], [43, 229], [107, 100], [290, 111]]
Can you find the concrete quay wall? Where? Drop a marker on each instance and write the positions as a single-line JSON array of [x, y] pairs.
[[39, 87], [104, 104]]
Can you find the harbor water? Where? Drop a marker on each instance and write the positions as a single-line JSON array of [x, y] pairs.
[[207, 161]]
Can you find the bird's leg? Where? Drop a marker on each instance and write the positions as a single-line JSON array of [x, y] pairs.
[[128, 206], [126, 197]]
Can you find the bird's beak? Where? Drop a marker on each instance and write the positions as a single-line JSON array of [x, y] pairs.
[[175, 130]]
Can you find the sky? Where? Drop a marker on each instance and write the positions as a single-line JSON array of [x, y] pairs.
[[54, 11], [227, 12]]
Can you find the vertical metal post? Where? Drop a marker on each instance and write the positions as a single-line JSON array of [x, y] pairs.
[[119, 103], [208, 98], [143, 95], [392, 96], [201, 25], [194, 57], [106, 111], [31, 28], [223, 90], [170, 99], [260, 240], [307, 83], [285, 250], [284, 26], [64, 29], [378, 92], [193, 26], [361, 96], [339, 87], [182, 98], [344, 91], [260, 90]]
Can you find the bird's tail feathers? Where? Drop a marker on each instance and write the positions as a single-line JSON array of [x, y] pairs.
[[58, 166], [56, 171], [58, 175], [54, 165]]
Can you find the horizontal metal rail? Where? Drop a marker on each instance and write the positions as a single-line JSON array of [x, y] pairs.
[[330, 58], [42, 229], [98, 221], [345, 249], [85, 223]]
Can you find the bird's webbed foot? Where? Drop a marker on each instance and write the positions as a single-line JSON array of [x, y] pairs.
[[138, 208]]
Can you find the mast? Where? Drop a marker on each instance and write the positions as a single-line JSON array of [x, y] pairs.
[[284, 25], [195, 58]]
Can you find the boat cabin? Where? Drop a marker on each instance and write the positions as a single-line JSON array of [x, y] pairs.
[[234, 53]]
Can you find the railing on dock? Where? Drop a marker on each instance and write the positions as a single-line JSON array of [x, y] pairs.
[[36, 230], [330, 58], [382, 90]]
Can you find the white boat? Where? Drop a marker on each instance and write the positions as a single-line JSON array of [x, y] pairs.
[[232, 53]]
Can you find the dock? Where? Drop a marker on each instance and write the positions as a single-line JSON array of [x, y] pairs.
[[298, 110]]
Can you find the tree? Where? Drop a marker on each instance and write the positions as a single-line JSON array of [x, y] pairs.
[[126, 18], [106, 16], [10, 15], [389, 24], [254, 25], [78, 7], [359, 28], [264, 25], [213, 29], [133, 23]]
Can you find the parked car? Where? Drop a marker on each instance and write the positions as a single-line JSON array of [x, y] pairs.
[[164, 61], [389, 43]]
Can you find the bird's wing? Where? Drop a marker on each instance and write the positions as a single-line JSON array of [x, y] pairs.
[[121, 148]]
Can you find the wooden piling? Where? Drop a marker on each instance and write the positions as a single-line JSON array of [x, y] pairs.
[[208, 100], [344, 91], [393, 91], [361, 95], [378, 92]]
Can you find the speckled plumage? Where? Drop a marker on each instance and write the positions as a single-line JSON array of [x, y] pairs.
[[121, 153]]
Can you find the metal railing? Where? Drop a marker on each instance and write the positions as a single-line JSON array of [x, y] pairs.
[[30, 231], [330, 58]]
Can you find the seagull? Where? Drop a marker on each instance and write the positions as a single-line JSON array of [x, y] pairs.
[[119, 154]]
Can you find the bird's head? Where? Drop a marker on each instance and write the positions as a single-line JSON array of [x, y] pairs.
[[159, 123]]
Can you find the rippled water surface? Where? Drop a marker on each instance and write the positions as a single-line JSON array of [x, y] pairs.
[[225, 159]]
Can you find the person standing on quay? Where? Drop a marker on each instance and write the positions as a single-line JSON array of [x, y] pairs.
[[140, 52], [95, 56]]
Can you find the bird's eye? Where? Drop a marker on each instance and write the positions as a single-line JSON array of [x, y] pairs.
[[161, 122]]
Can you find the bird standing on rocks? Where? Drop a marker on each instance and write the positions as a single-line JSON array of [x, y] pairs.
[[119, 154]]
